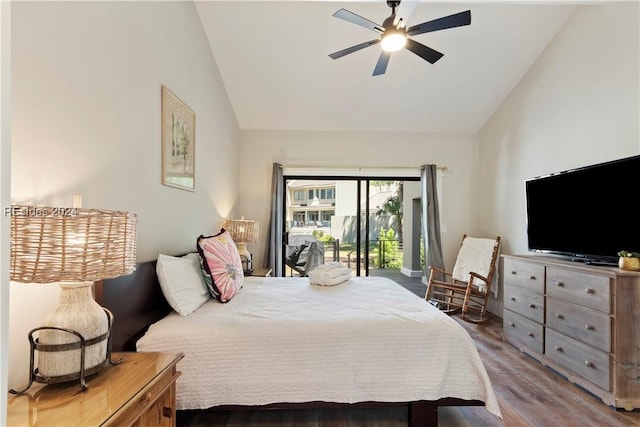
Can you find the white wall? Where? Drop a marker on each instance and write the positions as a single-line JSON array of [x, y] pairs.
[[577, 105], [87, 80], [5, 189], [458, 152]]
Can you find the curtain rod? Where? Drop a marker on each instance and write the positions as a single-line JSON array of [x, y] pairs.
[[443, 168]]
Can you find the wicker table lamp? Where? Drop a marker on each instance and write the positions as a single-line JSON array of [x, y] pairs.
[[242, 231], [73, 247]]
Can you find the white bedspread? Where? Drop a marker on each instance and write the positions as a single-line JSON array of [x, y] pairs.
[[283, 340]]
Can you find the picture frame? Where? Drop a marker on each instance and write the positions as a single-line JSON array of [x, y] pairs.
[[178, 142]]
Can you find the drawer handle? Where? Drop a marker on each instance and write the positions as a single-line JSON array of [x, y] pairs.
[[588, 363], [513, 273], [559, 284], [146, 398], [532, 306], [559, 316], [530, 334], [532, 277], [513, 298], [590, 291], [589, 327], [167, 412], [513, 325], [558, 348]]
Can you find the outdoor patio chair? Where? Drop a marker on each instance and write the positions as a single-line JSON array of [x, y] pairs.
[[467, 287], [304, 253]]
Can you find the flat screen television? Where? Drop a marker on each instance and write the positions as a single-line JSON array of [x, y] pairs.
[[588, 214]]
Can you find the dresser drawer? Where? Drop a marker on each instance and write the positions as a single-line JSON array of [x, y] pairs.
[[524, 274], [588, 290], [523, 330], [584, 324], [525, 302], [582, 359]]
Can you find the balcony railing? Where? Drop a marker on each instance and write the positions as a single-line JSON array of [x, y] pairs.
[[294, 223]]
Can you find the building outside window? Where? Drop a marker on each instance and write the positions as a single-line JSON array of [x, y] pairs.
[[312, 205]]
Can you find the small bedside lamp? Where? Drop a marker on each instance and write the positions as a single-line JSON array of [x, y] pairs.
[[242, 231], [73, 247]]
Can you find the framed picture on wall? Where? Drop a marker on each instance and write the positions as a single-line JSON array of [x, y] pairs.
[[178, 142]]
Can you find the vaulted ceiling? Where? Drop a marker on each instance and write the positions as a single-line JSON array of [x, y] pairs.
[[273, 59]]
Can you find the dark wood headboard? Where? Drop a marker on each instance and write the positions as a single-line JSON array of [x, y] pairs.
[[136, 302]]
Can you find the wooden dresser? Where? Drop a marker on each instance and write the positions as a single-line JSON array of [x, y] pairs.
[[138, 392], [582, 321]]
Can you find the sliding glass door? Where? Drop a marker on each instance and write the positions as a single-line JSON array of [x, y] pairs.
[[364, 223]]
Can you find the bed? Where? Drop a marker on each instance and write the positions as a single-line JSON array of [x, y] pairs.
[[283, 343]]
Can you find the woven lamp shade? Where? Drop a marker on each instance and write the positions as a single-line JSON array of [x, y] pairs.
[[241, 230], [55, 245]]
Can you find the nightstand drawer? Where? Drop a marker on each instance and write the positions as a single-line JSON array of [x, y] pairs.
[[589, 326], [154, 402], [525, 302], [524, 274], [588, 290], [582, 359], [523, 330]]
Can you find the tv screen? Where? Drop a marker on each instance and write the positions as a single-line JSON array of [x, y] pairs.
[[588, 213]]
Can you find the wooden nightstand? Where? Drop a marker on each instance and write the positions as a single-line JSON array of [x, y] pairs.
[[261, 272], [138, 392]]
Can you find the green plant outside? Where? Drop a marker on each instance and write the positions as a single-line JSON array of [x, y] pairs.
[[388, 247], [387, 244]]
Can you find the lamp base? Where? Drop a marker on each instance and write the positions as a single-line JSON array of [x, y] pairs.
[[245, 258], [80, 345], [242, 250], [77, 311]]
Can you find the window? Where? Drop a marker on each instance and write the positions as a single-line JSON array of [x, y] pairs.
[[327, 194], [310, 195], [298, 195]]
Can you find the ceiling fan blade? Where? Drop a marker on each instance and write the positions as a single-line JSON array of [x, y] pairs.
[[423, 51], [343, 52], [451, 21], [403, 12], [381, 65], [358, 20]]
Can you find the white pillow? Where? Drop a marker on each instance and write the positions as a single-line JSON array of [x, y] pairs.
[[182, 282]]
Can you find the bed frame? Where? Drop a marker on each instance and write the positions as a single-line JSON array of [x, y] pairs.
[[136, 302]]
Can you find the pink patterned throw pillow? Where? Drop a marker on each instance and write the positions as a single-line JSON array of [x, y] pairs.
[[222, 263]]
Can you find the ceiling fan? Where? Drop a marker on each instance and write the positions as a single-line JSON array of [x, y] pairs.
[[394, 35]]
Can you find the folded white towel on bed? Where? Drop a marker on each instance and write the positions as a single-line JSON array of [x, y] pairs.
[[329, 274]]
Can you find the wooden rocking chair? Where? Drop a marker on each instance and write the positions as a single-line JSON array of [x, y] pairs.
[[467, 288]]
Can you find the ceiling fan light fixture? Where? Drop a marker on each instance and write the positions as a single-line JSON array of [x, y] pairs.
[[394, 37], [393, 41]]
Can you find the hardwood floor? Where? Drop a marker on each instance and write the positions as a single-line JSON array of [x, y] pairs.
[[528, 393]]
